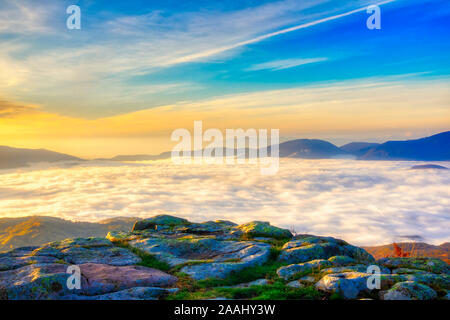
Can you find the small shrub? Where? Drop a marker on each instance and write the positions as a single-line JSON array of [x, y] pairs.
[[399, 252]]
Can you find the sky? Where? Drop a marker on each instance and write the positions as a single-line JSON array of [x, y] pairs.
[[137, 70]]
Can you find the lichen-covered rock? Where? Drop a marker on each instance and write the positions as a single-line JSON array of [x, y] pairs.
[[47, 251], [347, 284], [93, 250], [102, 278], [227, 261], [219, 229], [137, 293], [119, 236], [305, 248], [105, 255], [20, 252], [340, 261], [433, 265], [409, 290], [49, 281], [208, 228], [351, 284], [159, 221], [297, 270], [356, 268], [34, 282], [307, 279], [408, 271], [9, 262], [79, 242], [176, 251], [263, 229], [431, 279], [212, 249]]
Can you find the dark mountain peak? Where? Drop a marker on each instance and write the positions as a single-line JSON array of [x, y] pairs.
[[310, 149], [433, 148], [428, 166], [358, 148]]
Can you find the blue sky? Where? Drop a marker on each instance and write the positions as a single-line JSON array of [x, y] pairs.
[[139, 55]]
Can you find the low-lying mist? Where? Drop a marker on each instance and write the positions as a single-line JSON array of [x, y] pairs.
[[363, 202]]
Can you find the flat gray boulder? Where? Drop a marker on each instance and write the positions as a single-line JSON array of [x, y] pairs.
[[91, 250], [102, 278], [49, 281], [10, 261], [351, 284], [205, 257], [34, 282], [298, 270]]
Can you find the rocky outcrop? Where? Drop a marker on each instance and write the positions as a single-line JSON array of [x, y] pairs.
[[90, 250], [49, 281], [409, 290], [159, 222], [136, 293], [101, 278], [292, 270], [264, 229], [35, 281], [162, 253], [426, 264], [205, 257], [351, 285], [8, 261], [305, 248]]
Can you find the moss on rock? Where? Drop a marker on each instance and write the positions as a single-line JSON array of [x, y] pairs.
[[159, 220], [264, 229], [409, 290]]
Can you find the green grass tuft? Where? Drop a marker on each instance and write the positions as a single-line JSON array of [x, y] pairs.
[[148, 260], [276, 291]]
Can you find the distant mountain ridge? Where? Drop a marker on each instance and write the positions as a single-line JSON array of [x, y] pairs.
[[37, 230], [17, 157], [310, 149], [139, 157], [358, 149], [433, 148], [417, 249]]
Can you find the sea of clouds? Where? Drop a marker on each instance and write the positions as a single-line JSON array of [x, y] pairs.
[[363, 202]]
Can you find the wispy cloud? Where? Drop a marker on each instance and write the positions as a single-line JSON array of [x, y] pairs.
[[100, 61], [284, 64], [10, 109], [25, 17], [215, 51]]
